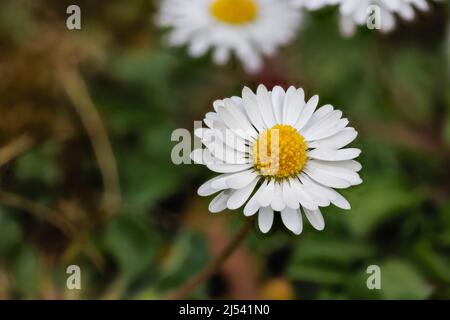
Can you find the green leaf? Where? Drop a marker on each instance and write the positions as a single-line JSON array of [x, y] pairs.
[[30, 165], [377, 201], [335, 251], [11, 233], [316, 274], [131, 243], [187, 256], [25, 265], [400, 280]]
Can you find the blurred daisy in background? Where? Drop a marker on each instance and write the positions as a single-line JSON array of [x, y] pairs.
[[250, 29], [277, 144], [313, 4], [355, 13]]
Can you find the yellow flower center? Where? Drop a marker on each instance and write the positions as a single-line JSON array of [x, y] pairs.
[[279, 152], [234, 12]]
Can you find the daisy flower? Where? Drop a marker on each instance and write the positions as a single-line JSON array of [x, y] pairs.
[[356, 12], [250, 29], [313, 4], [277, 153]]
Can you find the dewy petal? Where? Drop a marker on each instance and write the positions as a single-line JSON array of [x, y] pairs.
[[219, 203], [252, 205], [265, 219], [315, 218], [239, 197], [292, 220]]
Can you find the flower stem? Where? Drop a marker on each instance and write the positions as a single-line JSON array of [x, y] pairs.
[[215, 264]]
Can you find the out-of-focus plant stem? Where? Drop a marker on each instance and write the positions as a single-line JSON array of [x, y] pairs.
[[78, 93], [37, 209], [15, 148], [215, 264]]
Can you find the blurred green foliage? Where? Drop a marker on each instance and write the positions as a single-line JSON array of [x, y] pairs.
[[393, 88]]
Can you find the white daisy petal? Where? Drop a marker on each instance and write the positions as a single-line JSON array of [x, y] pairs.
[[348, 164], [307, 112], [337, 141], [340, 201], [198, 156], [302, 196], [233, 123], [241, 120], [228, 137], [328, 166], [252, 205], [266, 196], [292, 220], [326, 179], [228, 168], [219, 203], [289, 195], [316, 188], [226, 154], [241, 179], [315, 218], [293, 105], [239, 197], [278, 95], [207, 188], [278, 203], [334, 155], [265, 219], [265, 106], [252, 109]]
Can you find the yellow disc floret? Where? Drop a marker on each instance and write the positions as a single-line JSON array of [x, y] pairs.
[[234, 12], [279, 152]]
